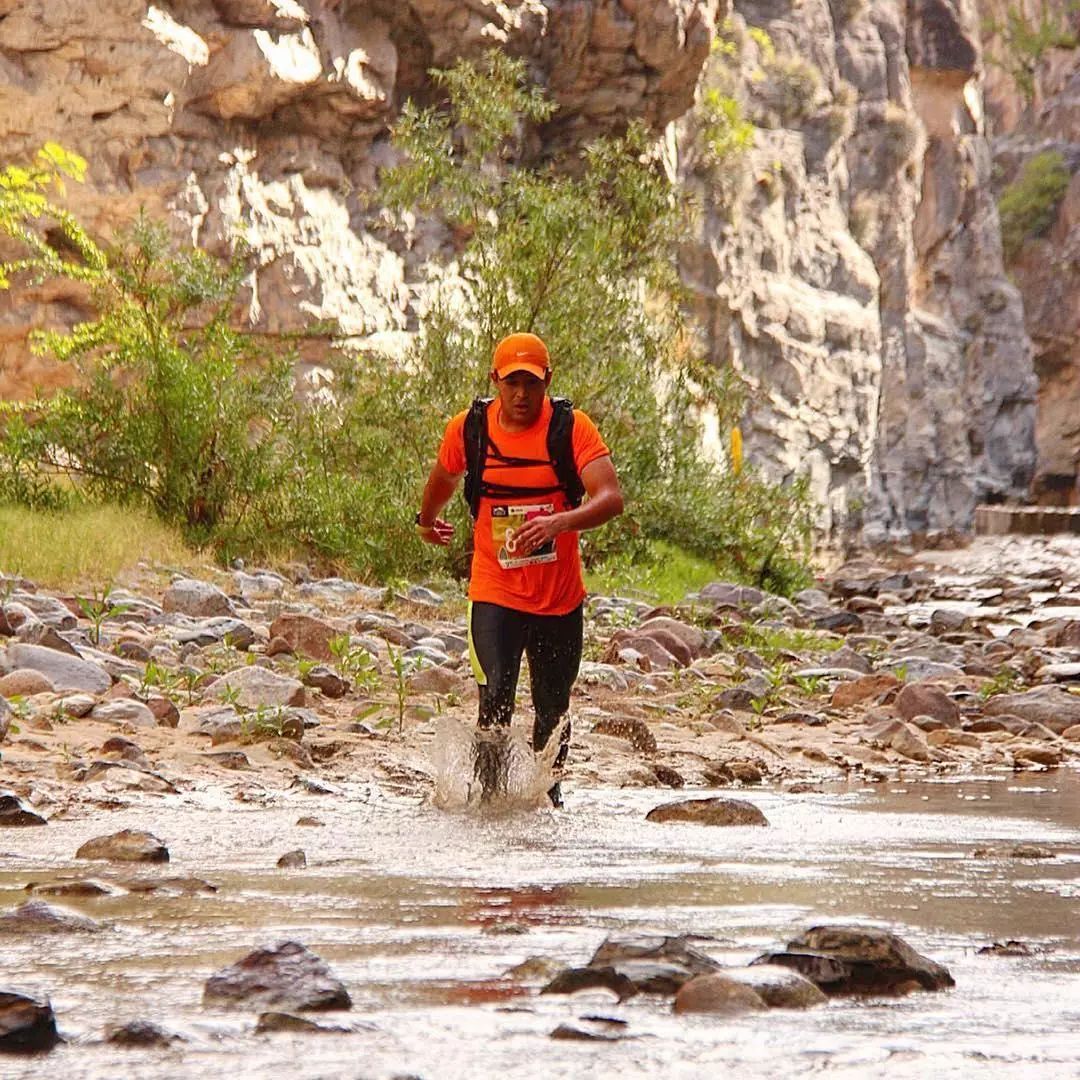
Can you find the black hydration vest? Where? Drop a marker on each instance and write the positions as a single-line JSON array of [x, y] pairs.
[[479, 444]]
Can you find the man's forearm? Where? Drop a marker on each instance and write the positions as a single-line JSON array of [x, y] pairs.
[[597, 511], [438, 491]]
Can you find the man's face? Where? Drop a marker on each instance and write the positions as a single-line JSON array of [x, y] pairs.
[[521, 396]]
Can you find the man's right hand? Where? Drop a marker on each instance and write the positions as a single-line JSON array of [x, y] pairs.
[[439, 534]]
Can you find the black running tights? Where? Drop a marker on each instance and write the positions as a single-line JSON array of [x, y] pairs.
[[497, 638]]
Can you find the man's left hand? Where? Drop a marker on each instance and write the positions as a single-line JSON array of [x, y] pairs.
[[536, 532]]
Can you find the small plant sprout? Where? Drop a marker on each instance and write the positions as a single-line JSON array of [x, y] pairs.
[[97, 608]]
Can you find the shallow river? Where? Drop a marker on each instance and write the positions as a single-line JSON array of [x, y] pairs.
[[421, 912]]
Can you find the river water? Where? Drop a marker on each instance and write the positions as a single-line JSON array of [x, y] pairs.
[[421, 913]]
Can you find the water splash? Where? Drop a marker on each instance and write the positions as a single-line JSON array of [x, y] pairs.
[[496, 769]]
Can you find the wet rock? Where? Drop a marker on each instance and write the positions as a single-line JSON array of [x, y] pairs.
[[38, 917], [1011, 947], [141, 1033], [779, 987], [25, 682], [746, 772], [253, 686], [1013, 851], [631, 728], [306, 635], [169, 886], [649, 654], [283, 1021], [200, 599], [128, 845], [714, 811], [659, 949], [27, 1025], [13, 814], [293, 860], [288, 976], [127, 711], [534, 968], [606, 675], [1049, 705], [591, 978], [84, 887], [896, 735], [925, 699], [327, 682], [863, 689], [1025, 756], [63, 671], [718, 994], [951, 737], [126, 774], [859, 960], [804, 718], [579, 1033]]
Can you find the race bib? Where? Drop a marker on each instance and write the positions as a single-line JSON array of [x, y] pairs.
[[505, 520]]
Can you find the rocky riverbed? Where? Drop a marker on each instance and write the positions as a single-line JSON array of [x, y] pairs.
[[939, 663], [236, 692]]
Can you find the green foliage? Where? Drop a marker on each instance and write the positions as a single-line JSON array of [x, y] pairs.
[[724, 132], [1023, 44], [354, 663], [1029, 204], [1006, 681]]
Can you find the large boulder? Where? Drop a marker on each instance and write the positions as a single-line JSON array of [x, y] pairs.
[[287, 976], [926, 699], [859, 960], [12, 811]]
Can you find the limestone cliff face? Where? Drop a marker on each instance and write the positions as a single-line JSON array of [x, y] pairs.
[[858, 279], [1033, 108], [848, 263]]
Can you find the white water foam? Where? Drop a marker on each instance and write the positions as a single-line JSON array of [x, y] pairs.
[[495, 769]]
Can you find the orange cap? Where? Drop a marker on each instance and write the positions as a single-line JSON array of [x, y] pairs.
[[521, 352]]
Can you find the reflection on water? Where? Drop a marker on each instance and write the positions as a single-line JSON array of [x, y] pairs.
[[444, 926]]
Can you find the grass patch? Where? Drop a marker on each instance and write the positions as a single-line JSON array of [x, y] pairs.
[[666, 577], [84, 545]]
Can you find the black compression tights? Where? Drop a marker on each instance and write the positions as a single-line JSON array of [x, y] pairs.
[[498, 636]]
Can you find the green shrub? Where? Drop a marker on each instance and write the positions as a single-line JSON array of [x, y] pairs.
[[1029, 204]]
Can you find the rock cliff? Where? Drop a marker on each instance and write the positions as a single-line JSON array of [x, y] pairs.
[[847, 262], [1033, 106]]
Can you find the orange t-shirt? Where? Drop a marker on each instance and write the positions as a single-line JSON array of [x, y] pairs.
[[549, 581]]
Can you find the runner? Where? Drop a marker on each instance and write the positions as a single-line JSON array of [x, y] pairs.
[[528, 460]]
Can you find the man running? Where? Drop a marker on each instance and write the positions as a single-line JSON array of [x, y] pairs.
[[532, 460]]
